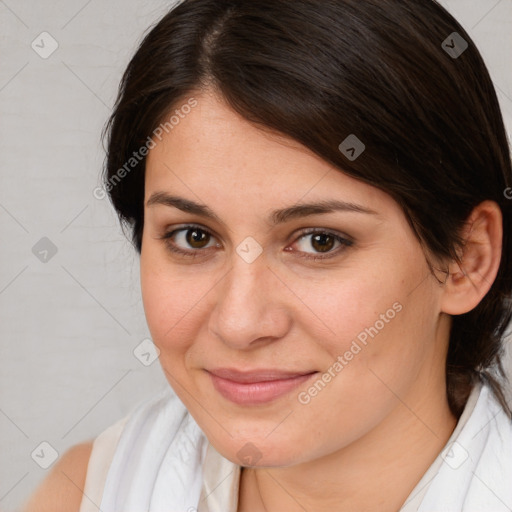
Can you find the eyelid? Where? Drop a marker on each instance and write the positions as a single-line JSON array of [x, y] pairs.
[[185, 227], [311, 231]]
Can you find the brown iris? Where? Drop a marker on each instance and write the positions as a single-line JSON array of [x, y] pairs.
[[197, 238], [322, 242]]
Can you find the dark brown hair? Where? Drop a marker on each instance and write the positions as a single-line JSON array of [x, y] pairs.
[[318, 71]]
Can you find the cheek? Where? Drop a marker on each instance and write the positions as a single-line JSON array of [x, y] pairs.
[[383, 334], [172, 308], [357, 306], [379, 321], [380, 344]]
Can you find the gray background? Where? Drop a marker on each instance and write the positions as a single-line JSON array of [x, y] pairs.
[[69, 325]]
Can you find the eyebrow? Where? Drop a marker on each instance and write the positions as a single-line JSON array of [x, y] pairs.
[[276, 217]]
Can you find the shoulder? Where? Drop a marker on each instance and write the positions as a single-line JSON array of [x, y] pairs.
[[84, 467], [62, 489]]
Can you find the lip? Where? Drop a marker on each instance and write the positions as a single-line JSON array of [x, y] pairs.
[[256, 386]]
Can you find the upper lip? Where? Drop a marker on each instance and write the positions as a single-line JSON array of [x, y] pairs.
[[262, 375]]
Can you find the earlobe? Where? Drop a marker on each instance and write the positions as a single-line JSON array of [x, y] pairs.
[[471, 278]]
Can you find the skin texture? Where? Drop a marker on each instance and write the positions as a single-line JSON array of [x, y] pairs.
[[367, 438]]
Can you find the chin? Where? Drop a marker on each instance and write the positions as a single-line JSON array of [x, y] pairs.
[[258, 451]]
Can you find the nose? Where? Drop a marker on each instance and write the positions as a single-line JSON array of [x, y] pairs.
[[250, 307]]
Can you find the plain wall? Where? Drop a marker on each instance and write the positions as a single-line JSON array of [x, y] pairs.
[[69, 325]]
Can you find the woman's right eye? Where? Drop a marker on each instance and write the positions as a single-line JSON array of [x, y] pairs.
[[189, 240]]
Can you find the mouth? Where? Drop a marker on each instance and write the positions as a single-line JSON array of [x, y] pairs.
[[257, 386]]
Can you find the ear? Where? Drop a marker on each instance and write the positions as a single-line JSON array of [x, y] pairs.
[[469, 280]]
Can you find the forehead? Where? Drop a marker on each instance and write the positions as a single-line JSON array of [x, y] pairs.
[[213, 153]]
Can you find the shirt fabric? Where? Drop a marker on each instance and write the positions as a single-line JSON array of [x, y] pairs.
[[157, 459]]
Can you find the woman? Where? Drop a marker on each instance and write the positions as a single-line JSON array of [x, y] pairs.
[[317, 191]]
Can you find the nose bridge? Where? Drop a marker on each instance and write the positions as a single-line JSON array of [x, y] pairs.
[[244, 284], [247, 307]]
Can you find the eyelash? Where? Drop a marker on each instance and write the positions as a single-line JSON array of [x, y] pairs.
[[344, 241]]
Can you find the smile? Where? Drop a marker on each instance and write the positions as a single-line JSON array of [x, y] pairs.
[[257, 387]]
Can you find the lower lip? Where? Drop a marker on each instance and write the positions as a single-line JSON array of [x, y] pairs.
[[255, 393]]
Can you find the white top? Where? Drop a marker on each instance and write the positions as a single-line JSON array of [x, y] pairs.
[[157, 459]]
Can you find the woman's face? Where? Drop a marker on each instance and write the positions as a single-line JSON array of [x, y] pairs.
[[336, 304]]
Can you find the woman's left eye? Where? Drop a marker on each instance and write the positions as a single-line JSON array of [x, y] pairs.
[[321, 242]]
